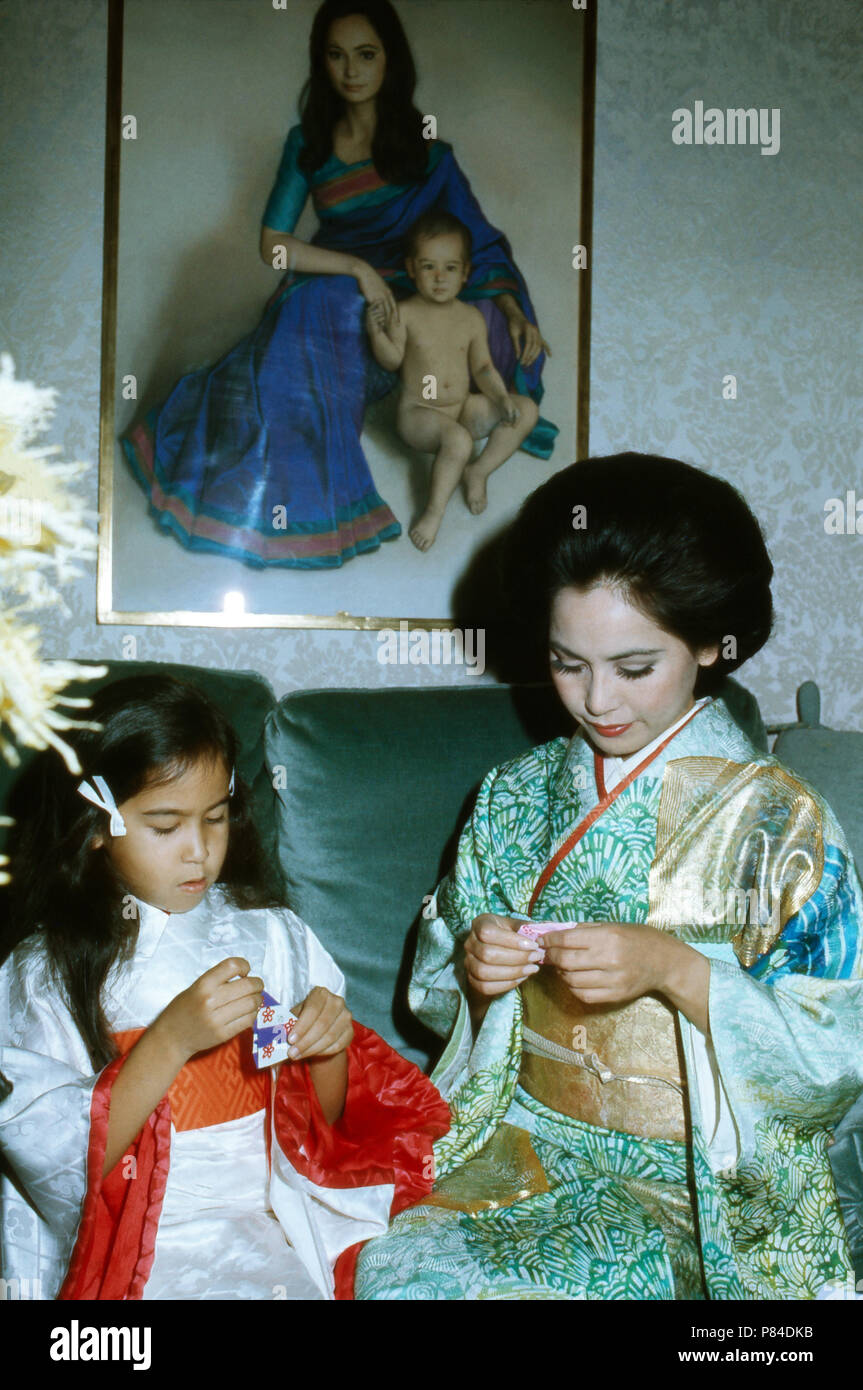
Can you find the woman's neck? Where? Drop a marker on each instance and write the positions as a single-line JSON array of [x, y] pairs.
[[359, 122]]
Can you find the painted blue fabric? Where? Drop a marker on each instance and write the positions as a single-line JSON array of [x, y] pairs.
[[259, 456]]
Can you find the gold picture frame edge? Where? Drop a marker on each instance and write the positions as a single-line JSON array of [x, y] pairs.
[[106, 614], [315, 621], [110, 246]]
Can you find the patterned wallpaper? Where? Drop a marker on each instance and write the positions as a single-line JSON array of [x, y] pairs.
[[708, 261], [718, 260]]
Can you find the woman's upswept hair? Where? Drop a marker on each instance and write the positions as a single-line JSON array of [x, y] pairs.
[[65, 893], [399, 152], [679, 543]]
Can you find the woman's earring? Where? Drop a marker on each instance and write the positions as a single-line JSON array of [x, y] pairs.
[[231, 784]]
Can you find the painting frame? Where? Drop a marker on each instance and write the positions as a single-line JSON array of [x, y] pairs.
[[109, 610]]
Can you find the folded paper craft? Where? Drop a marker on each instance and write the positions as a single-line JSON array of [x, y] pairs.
[[270, 1034], [536, 931]]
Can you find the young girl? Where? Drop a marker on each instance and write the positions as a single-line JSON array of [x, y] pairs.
[[643, 1087], [177, 1169]]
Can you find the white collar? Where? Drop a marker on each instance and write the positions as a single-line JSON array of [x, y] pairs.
[[151, 924], [615, 767]]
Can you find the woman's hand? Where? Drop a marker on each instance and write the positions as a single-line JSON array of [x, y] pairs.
[[496, 959], [375, 290], [215, 1008], [324, 1026], [614, 962], [526, 337]]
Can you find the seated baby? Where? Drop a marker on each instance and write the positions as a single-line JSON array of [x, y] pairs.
[[437, 342]]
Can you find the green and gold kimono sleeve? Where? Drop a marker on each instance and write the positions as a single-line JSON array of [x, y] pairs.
[[778, 909]]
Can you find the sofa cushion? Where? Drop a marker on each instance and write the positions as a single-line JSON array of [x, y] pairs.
[[374, 787], [832, 760]]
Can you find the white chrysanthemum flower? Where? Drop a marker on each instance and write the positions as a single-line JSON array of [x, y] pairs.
[[29, 695], [25, 409], [45, 535], [45, 529]]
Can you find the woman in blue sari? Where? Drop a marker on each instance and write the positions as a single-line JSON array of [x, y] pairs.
[[259, 457]]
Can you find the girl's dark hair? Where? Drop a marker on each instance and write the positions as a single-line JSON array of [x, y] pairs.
[[682, 544], [399, 152], [154, 728]]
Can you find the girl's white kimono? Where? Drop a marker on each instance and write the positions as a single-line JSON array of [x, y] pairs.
[[259, 1205]]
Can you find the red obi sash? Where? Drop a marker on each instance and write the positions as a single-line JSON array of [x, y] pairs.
[[214, 1086], [391, 1117]]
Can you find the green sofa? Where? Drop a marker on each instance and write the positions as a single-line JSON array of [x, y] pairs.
[[360, 796]]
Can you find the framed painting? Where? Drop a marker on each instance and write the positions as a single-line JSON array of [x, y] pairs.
[[346, 300]]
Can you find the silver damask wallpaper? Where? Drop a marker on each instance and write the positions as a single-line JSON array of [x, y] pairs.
[[717, 260], [726, 302]]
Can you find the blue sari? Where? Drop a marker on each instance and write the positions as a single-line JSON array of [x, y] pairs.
[[259, 456]]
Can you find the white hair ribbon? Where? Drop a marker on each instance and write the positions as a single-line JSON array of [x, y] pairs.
[[105, 801], [231, 784]]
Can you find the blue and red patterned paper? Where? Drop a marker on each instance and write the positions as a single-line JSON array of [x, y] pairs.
[[270, 1040]]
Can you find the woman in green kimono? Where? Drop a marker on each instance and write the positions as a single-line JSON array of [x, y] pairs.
[[642, 1092]]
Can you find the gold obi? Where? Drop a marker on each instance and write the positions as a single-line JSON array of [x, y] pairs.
[[739, 849], [615, 1065]]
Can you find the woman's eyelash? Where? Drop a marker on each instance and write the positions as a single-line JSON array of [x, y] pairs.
[[218, 820], [558, 665]]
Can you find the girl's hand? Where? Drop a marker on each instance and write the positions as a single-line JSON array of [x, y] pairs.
[[324, 1026], [526, 337], [495, 958], [375, 290], [509, 410], [215, 1008]]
